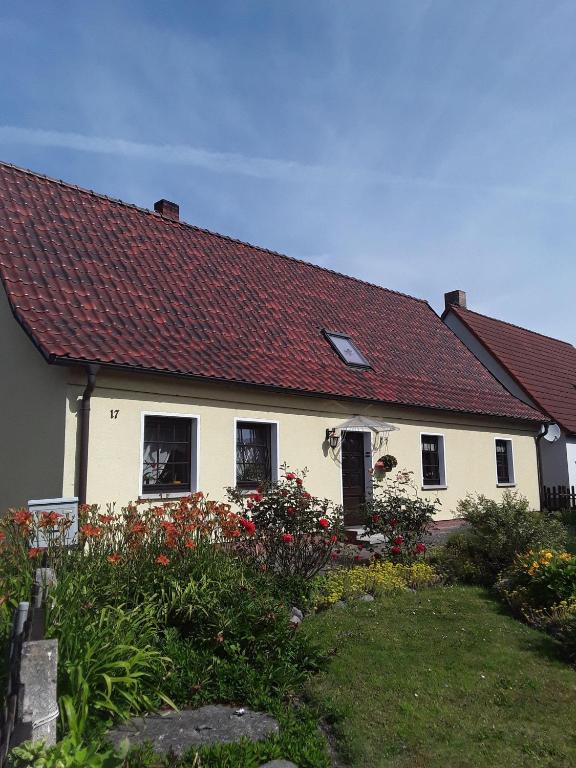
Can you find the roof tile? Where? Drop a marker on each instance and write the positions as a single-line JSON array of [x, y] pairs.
[[91, 278]]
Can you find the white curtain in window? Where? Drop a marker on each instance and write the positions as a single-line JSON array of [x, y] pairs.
[[153, 468]]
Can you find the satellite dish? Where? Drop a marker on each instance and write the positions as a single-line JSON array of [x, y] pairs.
[[553, 434]]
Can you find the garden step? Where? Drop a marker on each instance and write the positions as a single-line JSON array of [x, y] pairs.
[[178, 731]]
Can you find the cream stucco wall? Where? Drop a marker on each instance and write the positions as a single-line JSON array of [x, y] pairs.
[[115, 443], [32, 424]]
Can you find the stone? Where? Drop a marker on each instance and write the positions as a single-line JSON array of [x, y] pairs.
[[339, 604], [37, 698], [279, 764], [295, 621], [366, 598], [297, 612], [177, 731]]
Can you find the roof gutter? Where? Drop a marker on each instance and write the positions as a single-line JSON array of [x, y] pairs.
[[538, 438], [91, 372]]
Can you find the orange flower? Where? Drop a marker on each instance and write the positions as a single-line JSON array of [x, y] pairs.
[[162, 560], [49, 519], [2, 536], [113, 559], [34, 552], [105, 519], [190, 544], [138, 528], [22, 517], [90, 530]]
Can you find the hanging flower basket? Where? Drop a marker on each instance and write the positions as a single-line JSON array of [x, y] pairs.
[[385, 463]]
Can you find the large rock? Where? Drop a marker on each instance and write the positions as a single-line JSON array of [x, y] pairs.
[[191, 727], [279, 764]]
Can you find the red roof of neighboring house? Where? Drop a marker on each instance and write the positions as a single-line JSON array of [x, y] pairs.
[[94, 279], [545, 368]]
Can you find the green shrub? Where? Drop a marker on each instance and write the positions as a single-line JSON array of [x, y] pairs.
[[498, 531], [67, 753], [398, 513], [287, 531]]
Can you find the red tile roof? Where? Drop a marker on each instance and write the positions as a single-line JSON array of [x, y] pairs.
[[545, 368], [95, 279]]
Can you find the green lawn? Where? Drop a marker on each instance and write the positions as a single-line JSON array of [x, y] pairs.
[[443, 678]]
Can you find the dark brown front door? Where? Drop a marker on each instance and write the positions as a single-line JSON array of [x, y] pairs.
[[353, 477]]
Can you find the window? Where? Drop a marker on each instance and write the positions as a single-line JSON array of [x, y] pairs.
[[167, 455], [254, 454], [433, 469], [504, 462], [347, 350]]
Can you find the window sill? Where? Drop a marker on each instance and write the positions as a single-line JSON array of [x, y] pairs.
[[505, 485], [164, 496], [434, 487]]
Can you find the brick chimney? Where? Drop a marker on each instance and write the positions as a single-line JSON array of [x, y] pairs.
[[168, 209], [455, 299]]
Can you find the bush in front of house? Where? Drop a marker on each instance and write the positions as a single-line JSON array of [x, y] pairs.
[[401, 516], [541, 587], [378, 578], [496, 533], [156, 606], [287, 531]]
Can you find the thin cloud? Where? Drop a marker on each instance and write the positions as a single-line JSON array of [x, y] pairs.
[[246, 165]]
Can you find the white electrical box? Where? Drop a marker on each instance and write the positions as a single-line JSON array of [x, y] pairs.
[[65, 508]]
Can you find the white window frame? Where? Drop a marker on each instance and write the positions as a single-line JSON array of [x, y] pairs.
[[274, 445], [441, 460], [510, 455], [194, 455]]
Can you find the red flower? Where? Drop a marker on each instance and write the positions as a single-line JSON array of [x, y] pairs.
[[334, 555], [376, 518], [113, 559], [287, 538], [283, 492], [248, 525], [357, 558], [324, 522], [395, 550], [394, 522], [398, 540], [333, 539], [306, 495], [420, 547], [291, 510], [34, 552], [299, 481], [105, 518], [255, 497], [190, 544], [2, 536], [162, 560], [290, 476]]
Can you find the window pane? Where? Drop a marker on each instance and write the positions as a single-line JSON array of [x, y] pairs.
[[347, 350], [430, 460], [502, 463], [167, 454], [253, 458]]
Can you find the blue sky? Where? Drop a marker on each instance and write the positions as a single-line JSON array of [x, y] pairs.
[[424, 145]]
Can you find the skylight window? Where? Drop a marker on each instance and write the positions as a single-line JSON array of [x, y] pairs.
[[347, 350]]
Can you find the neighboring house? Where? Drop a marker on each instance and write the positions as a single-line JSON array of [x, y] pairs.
[[537, 369], [144, 357]]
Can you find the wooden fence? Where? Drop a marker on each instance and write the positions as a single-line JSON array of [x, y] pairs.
[[558, 498], [30, 710]]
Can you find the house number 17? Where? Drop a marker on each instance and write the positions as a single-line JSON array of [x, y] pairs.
[[114, 414]]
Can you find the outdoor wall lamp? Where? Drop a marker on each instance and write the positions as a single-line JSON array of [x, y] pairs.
[[332, 438]]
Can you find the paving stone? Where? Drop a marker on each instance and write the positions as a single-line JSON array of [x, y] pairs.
[[208, 725]]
